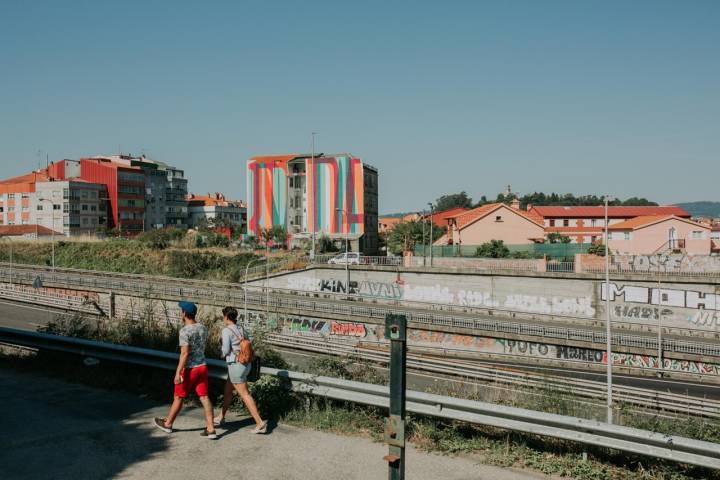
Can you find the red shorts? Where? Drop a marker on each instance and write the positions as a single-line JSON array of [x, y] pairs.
[[193, 379]]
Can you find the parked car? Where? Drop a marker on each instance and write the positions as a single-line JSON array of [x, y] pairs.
[[350, 258]]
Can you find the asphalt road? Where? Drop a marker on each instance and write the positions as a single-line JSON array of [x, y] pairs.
[[53, 429], [30, 317]]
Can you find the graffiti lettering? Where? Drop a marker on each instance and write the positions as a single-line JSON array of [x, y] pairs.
[[305, 325], [664, 296], [348, 329], [584, 354], [635, 312]]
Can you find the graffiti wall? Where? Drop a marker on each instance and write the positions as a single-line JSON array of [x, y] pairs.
[[332, 184], [671, 305], [359, 332], [679, 263], [523, 294]]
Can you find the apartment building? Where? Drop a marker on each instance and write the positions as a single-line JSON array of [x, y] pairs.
[[332, 195], [215, 206], [587, 224], [68, 207]]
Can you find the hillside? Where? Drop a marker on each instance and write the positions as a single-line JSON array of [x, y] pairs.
[[702, 209]]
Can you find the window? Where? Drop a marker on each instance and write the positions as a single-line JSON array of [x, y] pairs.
[[25, 196], [566, 223], [698, 235], [85, 221], [593, 222], [593, 239], [56, 206], [626, 236], [11, 196], [25, 209], [552, 222], [11, 209], [93, 208], [84, 194], [84, 207], [39, 207], [498, 218]]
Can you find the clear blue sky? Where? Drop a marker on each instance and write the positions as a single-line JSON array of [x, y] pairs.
[[568, 96]]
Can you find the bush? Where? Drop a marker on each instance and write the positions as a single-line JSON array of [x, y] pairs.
[[493, 249], [597, 249]]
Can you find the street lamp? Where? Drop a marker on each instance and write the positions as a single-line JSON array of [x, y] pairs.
[[52, 229], [422, 219], [347, 248], [608, 331], [431, 233], [245, 288]]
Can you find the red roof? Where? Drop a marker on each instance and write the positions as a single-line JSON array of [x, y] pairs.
[[647, 220], [613, 212], [439, 219], [19, 230], [465, 218]]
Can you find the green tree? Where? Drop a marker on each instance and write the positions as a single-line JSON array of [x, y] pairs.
[[493, 249], [597, 248], [454, 200], [555, 237], [406, 235]]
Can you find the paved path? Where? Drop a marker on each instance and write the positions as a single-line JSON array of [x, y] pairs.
[[53, 429]]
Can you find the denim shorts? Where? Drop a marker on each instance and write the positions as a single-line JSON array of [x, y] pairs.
[[238, 373]]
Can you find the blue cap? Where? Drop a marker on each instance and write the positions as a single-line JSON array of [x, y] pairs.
[[188, 307]]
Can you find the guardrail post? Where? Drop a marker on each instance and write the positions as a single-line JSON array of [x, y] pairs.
[[112, 305], [395, 331]]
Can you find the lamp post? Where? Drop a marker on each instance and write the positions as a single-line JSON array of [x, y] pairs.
[[245, 289], [309, 193], [608, 332], [347, 249], [431, 233], [52, 228], [660, 315], [422, 218]]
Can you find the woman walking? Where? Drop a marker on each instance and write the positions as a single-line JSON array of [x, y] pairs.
[[232, 336]]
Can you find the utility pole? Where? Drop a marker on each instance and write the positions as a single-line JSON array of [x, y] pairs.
[[309, 174], [660, 315], [347, 249], [431, 234], [608, 331], [422, 218]]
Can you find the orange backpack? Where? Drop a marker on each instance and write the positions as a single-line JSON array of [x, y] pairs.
[[245, 355]]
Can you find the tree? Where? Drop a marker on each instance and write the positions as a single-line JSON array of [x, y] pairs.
[[598, 249], [453, 200], [280, 235], [493, 249], [555, 237], [406, 235]]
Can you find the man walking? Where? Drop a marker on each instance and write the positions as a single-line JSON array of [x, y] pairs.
[[191, 373]]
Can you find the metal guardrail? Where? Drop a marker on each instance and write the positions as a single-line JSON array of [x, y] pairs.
[[631, 440], [229, 293]]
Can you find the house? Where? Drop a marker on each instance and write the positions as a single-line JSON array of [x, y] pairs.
[[651, 234], [26, 232], [587, 224], [440, 218], [494, 221]]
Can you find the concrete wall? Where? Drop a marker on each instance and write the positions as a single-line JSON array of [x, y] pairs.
[[663, 263], [678, 307], [433, 341]]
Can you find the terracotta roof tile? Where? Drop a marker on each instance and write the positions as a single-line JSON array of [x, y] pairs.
[[613, 212], [18, 230], [465, 218]]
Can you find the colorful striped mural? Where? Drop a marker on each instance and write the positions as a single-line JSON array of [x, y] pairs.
[[334, 182]]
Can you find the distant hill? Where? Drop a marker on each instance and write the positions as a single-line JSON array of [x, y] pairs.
[[702, 209]]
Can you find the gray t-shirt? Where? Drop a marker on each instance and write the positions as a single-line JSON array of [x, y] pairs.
[[194, 336], [231, 341]]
